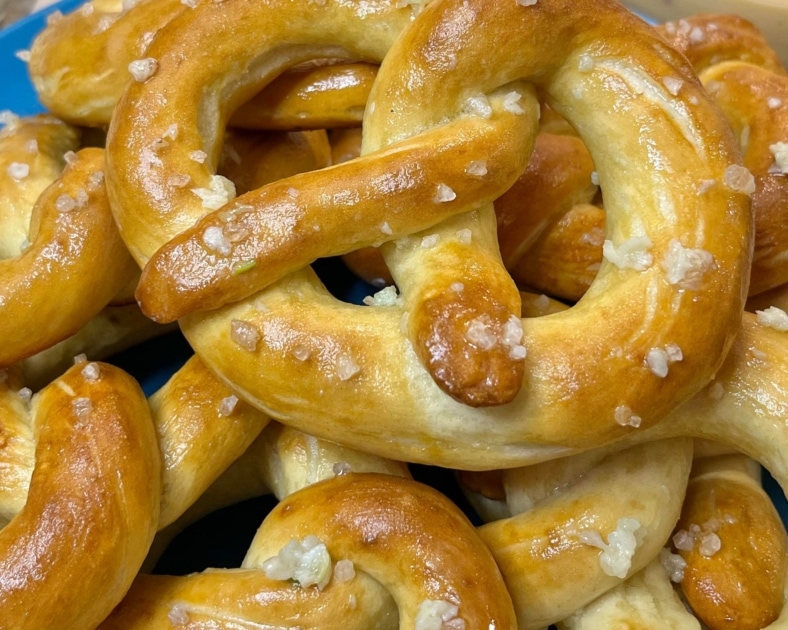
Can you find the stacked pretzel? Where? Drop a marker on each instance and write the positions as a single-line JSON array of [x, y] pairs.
[[610, 146]]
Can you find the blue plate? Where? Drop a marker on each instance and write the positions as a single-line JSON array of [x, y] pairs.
[[152, 363]]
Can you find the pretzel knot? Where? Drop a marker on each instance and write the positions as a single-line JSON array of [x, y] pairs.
[[633, 349]]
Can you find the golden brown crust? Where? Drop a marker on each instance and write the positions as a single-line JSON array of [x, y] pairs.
[[550, 565], [741, 583], [70, 555], [398, 538], [755, 101], [707, 39], [323, 97], [74, 246], [79, 64]]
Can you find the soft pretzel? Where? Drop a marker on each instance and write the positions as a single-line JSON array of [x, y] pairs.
[[400, 540], [735, 255], [72, 244], [280, 461], [69, 555], [355, 185]]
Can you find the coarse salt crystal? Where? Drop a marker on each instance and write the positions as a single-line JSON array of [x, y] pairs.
[[478, 105], [32, 147], [386, 228], [686, 266], [457, 287], [65, 203], [739, 179], [672, 84], [616, 557], [91, 372], [18, 170], [630, 254], [215, 240], [434, 614], [385, 297], [346, 367], [716, 391], [585, 63], [479, 332], [220, 192], [511, 103], [25, 394], [673, 564], [464, 236], [178, 616], [780, 152], [709, 544], [227, 405], [773, 317], [526, 3], [624, 416], [443, 194], [198, 156], [477, 168], [82, 407], [430, 241], [244, 334], [595, 178], [23, 55], [143, 69], [301, 353], [307, 562], [341, 468], [344, 570]]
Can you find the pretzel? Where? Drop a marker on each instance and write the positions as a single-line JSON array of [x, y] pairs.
[[81, 62], [733, 544], [72, 242], [430, 575], [247, 283], [70, 553], [143, 225]]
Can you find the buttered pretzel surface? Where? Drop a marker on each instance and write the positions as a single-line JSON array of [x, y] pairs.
[[478, 160]]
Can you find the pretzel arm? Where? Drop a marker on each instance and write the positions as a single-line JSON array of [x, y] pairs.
[[92, 507], [289, 223], [75, 246]]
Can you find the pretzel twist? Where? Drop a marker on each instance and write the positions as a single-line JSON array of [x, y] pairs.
[[69, 555], [469, 381]]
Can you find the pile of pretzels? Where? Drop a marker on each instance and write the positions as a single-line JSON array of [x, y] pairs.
[[572, 227]]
